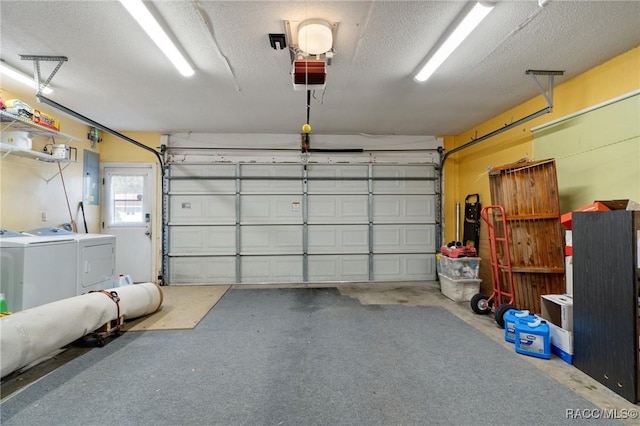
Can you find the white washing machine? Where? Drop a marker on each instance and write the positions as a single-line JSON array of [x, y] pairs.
[[35, 270], [96, 262]]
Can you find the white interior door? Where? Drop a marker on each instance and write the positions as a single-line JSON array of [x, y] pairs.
[[129, 214]]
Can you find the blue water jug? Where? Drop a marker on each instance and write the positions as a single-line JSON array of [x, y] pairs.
[[510, 318], [532, 338]]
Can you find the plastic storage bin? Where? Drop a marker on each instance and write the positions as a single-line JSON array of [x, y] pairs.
[[459, 290], [461, 267]]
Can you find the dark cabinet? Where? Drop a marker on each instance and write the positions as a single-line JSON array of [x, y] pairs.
[[605, 303]]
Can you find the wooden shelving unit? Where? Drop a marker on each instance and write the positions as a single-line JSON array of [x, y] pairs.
[[528, 191]]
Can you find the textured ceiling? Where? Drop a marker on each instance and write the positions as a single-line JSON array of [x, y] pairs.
[[116, 76]]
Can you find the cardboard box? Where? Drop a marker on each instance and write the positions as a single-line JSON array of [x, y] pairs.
[[45, 120], [620, 204], [561, 343], [557, 309]]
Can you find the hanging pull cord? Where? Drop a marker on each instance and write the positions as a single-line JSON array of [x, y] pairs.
[[113, 295]]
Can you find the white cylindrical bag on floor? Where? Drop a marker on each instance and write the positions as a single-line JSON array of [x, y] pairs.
[[29, 335]]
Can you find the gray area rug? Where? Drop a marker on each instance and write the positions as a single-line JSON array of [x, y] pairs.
[[299, 357]]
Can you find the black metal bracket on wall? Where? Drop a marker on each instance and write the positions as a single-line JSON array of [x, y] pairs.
[[547, 96]]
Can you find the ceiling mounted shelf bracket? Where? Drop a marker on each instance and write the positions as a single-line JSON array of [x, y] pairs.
[[548, 94], [36, 68]]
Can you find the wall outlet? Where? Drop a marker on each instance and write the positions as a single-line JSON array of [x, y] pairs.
[[43, 216]]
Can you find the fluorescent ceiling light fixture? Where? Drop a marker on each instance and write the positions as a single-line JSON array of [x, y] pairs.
[[22, 78], [315, 36], [466, 26], [139, 11]]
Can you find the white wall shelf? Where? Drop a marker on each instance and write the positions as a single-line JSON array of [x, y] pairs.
[[9, 149], [16, 123]]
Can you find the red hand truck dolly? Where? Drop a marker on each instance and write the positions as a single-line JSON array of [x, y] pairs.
[[501, 300]]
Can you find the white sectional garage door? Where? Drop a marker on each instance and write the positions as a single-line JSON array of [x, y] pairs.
[[299, 223]]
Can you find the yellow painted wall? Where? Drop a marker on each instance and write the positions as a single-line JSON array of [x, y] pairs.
[[466, 172], [117, 150], [29, 187]]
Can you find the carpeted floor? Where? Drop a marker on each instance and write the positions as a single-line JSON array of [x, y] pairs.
[[299, 357]]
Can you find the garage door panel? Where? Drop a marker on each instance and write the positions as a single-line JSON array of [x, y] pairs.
[[202, 170], [276, 179], [338, 268], [401, 186], [338, 209], [271, 269], [263, 209], [325, 179], [338, 239], [203, 239], [404, 267], [403, 208], [202, 270], [202, 209], [271, 239], [203, 186], [198, 184], [395, 238]]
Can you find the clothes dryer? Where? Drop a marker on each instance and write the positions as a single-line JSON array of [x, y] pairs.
[[96, 262], [96, 258]]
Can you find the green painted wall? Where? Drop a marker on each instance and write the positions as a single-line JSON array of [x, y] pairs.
[[597, 154]]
